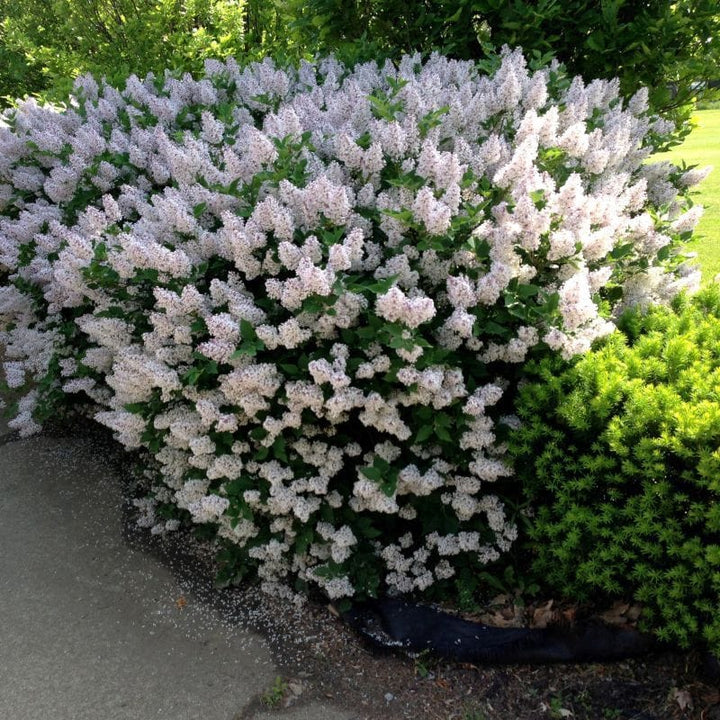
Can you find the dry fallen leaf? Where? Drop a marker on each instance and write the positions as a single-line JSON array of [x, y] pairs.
[[622, 613], [296, 688], [504, 618], [333, 610], [616, 615], [500, 601], [543, 615], [682, 698]]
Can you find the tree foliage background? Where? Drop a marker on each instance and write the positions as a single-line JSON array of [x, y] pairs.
[[44, 44], [672, 47]]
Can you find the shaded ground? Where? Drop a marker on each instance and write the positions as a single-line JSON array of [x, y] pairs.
[[322, 657], [317, 652], [322, 661]]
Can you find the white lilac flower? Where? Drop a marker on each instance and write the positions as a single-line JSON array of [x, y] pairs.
[[201, 241], [395, 306]]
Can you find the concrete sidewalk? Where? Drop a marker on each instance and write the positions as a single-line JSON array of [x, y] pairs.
[[92, 629]]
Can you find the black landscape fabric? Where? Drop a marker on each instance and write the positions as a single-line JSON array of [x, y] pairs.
[[397, 624]]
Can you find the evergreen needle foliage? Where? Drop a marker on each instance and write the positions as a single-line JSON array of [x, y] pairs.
[[619, 455]]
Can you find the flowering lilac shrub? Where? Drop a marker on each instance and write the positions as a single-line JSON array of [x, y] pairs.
[[306, 293]]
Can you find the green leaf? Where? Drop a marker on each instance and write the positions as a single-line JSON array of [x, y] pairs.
[[596, 41], [198, 326], [247, 330], [192, 376], [372, 473], [247, 348], [365, 527], [527, 291], [100, 252], [135, 408], [258, 433], [423, 433], [404, 216], [278, 449], [432, 119], [538, 198]]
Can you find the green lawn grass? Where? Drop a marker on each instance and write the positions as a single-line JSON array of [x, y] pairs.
[[702, 147]]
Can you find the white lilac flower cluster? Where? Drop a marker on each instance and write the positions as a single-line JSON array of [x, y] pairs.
[[305, 291]]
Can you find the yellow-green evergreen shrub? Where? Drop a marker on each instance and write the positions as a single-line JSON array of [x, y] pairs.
[[619, 456]]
